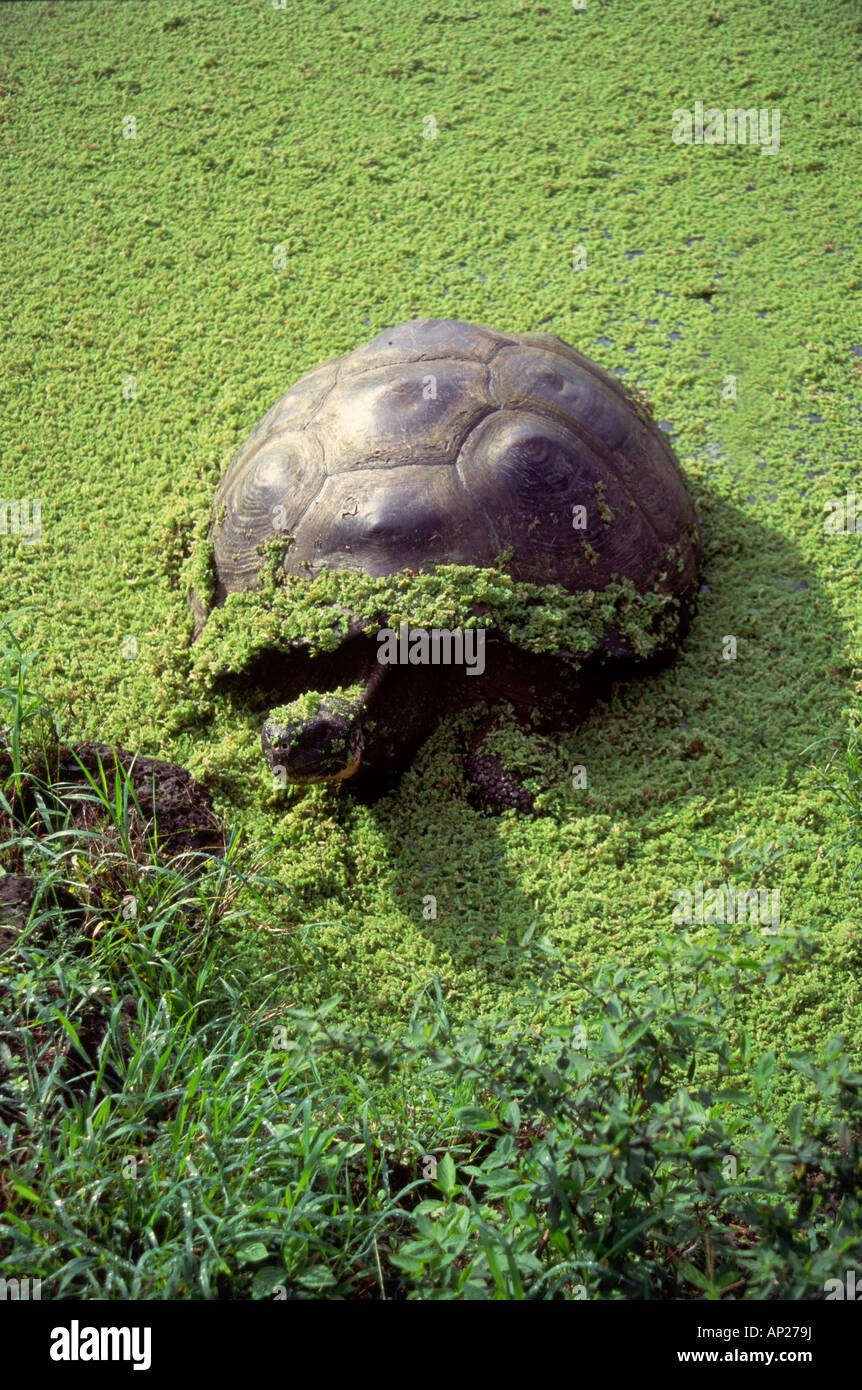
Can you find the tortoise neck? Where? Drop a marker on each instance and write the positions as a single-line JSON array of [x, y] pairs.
[[372, 685]]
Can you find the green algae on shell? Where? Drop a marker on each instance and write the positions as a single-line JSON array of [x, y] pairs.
[[316, 614]]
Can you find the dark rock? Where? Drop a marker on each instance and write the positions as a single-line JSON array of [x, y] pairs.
[[170, 801]]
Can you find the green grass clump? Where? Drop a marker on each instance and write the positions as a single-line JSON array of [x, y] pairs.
[[842, 777]]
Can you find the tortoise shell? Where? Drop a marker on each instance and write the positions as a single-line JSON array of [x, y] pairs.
[[442, 442]]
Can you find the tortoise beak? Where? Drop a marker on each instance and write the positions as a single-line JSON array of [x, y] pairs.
[[348, 771]]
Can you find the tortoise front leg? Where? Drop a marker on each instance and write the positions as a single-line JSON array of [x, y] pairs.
[[494, 786]]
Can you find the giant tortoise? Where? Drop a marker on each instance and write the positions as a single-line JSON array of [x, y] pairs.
[[448, 444]]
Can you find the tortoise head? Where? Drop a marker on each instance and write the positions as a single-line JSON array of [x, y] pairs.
[[315, 739]]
